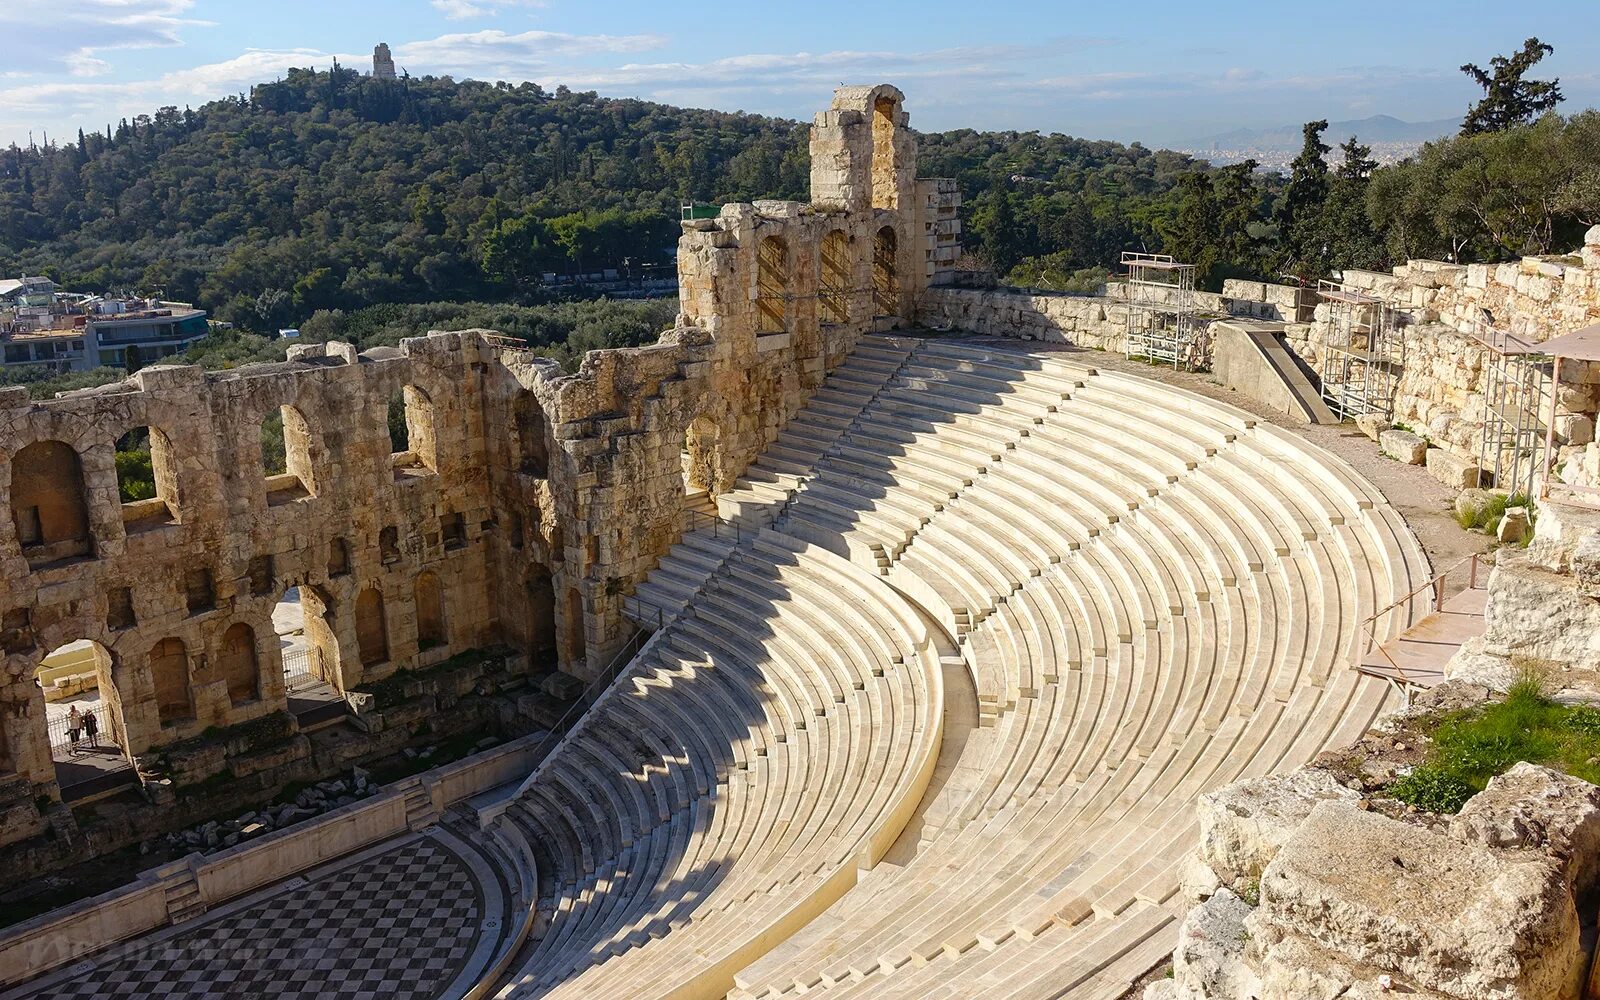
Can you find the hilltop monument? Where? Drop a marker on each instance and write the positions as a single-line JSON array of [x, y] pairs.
[[382, 62]]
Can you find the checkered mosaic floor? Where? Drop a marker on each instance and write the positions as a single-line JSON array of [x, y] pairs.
[[400, 925]]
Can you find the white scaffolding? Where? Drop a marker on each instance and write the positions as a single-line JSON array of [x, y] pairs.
[[1516, 387], [1364, 354], [1162, 327]]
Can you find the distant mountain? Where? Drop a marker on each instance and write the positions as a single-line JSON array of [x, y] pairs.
[[1376, 129]]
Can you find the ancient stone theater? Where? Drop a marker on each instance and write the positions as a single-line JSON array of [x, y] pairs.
[[909, 633]]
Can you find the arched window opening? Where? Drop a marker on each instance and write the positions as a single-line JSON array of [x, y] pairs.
[[307, 647], [372, 631], [338, 557], [577, 642], [146, 479], [531, 431], [700, 461], [76, 680], [430, 612], [542, 618], [389, 545], [169, 673], [239, 665], [286, 456], [49, 506], [885, 280], [772, 286], [834, 296], [412, 434], [885, 190]]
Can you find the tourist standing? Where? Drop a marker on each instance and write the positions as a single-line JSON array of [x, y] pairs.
[[91, 729], [74, 727]]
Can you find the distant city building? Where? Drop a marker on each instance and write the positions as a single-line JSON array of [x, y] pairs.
[[42, 325], [382, 62]]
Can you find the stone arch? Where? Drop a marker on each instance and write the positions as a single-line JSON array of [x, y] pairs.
[[338, 557], [146, 478], [239, 663], [531, 433], [372, 628], [702, 455], [834, 270], [431, 628], [286, 456], [577, 642], [169, 676], [772, 285], [49, 504], [78, 673], [885, 165], [541, 614], [885, 275], [420, 446]]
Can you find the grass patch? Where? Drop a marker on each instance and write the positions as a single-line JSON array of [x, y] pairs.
[[1487, 516], [1473, 746]]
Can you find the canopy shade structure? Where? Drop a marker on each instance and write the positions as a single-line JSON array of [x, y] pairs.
[[1579, 345]]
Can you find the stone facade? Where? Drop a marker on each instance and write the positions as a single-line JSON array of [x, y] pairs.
[[527, 503], [1441, 306], [758, 332]]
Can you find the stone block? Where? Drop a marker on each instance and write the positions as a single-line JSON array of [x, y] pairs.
[[1243, 825], [1403, 446], [1536, 807], [1372, 424], [1514, 526], [1398, 898], [1209, 961], [1452, 470]]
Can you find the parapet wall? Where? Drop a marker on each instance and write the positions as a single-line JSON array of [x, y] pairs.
[[1442, 305]]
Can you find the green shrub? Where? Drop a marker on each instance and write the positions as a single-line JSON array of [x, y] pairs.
[[1472, 747], [1435, 789]]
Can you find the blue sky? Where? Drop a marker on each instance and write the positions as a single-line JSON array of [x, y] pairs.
[[1156, 71]]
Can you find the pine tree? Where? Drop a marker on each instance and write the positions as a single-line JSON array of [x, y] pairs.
[[1347, 231], [1508, 99], [1298, 225]]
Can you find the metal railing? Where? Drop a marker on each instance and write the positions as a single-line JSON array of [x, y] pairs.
[[297, 675], [67, 742], [1438, 585]]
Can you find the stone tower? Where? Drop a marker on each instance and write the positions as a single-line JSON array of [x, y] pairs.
[[382, 62]]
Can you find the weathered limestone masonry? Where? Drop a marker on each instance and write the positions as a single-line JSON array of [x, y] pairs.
[[774, 295], [528, 502], [1441, 389], [178, 592]]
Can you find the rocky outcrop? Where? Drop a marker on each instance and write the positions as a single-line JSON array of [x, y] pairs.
[[1243, 825], [1543, 610], [1353, 902]]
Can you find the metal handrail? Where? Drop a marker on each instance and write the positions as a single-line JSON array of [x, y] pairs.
[[1437, 585]]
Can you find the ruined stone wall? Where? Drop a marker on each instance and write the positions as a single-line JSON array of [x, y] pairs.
[[163, 586], [534, 499], [1441, 306], [752, 342]]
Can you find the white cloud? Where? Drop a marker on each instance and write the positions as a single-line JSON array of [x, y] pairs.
[[494, 54], [458, 10], [67, 34]]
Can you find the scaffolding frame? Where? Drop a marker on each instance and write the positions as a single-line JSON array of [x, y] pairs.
[[1516, 385], [1364, 354], [1162, 327]]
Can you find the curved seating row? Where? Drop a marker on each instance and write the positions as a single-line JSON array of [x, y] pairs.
[[764, 747], [1154, 593]]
